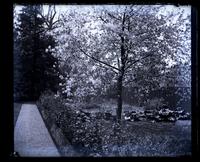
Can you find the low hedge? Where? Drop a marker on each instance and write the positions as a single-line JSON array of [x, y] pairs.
[[82, 134]]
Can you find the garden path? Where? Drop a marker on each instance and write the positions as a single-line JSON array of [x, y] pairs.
[[31, 137]]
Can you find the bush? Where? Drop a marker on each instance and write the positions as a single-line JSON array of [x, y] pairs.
[[155, 103], [50, 106], [50, 101], [90, 106], [81, 130]]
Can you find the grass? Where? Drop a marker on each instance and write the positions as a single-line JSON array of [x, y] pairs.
[[146, 139]]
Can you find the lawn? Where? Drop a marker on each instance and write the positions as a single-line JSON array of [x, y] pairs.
[[146, 139]]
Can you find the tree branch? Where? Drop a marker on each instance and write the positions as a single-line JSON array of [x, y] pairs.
[[100, 65], [105, 21], [49, 18], [135, 61], [109, 14], [99, 60]]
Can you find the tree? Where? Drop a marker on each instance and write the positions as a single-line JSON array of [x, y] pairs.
[[131, 41], [16, 61], [39, 67], [49, 18]]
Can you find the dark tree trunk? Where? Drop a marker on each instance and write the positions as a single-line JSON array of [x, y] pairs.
[[119, 97], [35, 86], [35, 47], [121, 75]]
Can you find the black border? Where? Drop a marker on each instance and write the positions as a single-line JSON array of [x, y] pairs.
[[194, 82], [6, 117]]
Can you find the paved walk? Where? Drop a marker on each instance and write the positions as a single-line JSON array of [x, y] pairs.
[[31, 137]]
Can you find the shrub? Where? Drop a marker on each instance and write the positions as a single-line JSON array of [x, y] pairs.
[[155, 103], [50, 106], [81, 131], [90, 106]]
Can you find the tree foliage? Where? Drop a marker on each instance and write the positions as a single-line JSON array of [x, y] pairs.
[[132, 44]]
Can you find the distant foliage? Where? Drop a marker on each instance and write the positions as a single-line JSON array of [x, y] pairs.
[[155, 103]]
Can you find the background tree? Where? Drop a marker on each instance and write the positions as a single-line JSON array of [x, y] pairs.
[[49, 18], [16, 59], [39, 67]]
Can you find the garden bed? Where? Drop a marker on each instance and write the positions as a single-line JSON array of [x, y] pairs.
[[90, 135]]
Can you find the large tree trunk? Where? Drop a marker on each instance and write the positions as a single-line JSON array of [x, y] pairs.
[[121, 75], [119, 98]]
